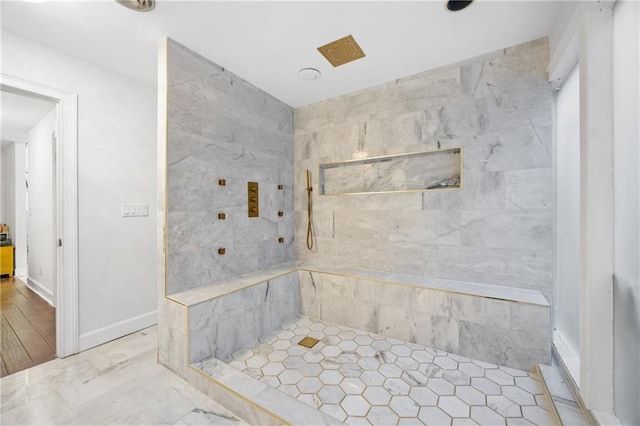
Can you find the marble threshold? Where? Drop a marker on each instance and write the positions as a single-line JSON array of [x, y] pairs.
[[220, 288], [355, 377]]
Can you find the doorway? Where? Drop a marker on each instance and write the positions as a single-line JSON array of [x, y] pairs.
[[51, 239]]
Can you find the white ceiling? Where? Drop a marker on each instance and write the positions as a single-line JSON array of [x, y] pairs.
[[267, 43], [19, 113]]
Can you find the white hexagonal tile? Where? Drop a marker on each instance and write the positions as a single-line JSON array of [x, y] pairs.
[[348, 345], [514, 372], [541, 401], [331, 363], [423, 396], [272, 368], [386, 357], [500, 377], [238, 365], [281, 345], [253, 372], [445, 363], [290, 377], [377, 395], [317, 326], [351, 420], [440, 386], [351, 370], [390, 370], [453, 406], [297, 350], [518, 395], [330, 351], [397, 386], [310, 370], [423, 357], [355, 405], [372, 378], [485, 386], [290, 390], [334, 411], [331, 330], [400, 350], [317, 335], [310, 399], [286, 335], [331, 394], [347, 335], [463, 422], [304, 321], [293, 362], [309, 385], [485, 365], [456, 377], [519, 421], [313, 356], [382, 416], [331, 377], [277, 356], [434, 416], [256, 361], [503, 406], [404, 406], [363, 340], [367, 363], [529, 384], [458, 358], [485, 416], [471, 369], [407, 363], [414, 378], [366, 351], [537, 415], [381, 345], [348, 357], [408, 421], [471, 395], [352, 386], [331, 340]]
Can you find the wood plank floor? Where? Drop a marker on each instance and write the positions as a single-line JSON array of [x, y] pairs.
[[27, 326]]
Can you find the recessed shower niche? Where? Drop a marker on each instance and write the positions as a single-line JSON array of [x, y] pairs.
[[418, 171]]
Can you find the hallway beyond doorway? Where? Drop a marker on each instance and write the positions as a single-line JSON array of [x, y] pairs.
[[28, 325]]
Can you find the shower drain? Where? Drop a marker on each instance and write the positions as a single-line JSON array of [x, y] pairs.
[[308, 342]]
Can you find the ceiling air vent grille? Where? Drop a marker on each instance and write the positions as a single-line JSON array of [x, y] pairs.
[[342, 51]]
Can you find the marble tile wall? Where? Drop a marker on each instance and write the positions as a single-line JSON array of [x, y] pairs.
[[222, 127], [498, 331], [221, 326], [496, 230]]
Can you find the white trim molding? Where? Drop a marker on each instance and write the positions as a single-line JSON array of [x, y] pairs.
[[117, 330], [40, 290], [66, 281]]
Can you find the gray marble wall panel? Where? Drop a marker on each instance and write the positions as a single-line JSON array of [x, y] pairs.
[[221, 326], [497, 331], [222, 127], [497, 229]]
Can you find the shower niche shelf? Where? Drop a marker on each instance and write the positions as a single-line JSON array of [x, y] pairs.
[[416, 171]]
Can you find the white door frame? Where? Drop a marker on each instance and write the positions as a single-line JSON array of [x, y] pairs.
[[66, 209]]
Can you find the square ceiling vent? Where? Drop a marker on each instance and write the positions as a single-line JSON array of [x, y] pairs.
[[342, 51]]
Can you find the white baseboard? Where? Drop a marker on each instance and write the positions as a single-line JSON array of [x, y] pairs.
[[119, 329], [40, 290], [21, 272]]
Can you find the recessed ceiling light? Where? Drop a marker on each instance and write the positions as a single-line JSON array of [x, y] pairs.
[[456, 5], [309, 74]]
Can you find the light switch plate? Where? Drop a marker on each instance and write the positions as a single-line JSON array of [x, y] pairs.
[[134, 210]]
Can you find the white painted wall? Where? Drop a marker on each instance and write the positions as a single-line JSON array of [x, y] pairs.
[[41, 219], [626, 179], [116, 164], [14, 200], [567, 279]]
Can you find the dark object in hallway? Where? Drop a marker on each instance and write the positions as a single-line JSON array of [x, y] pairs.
[[456, 5], [28, 326]]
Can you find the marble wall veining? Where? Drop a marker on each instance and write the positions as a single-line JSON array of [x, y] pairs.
[[497, 229], [220, 126]]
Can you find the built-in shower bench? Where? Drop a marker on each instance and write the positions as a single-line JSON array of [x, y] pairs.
[[502, 325]]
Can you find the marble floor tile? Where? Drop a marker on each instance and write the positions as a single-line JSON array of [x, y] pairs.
[[364, 378], [119, 382]]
